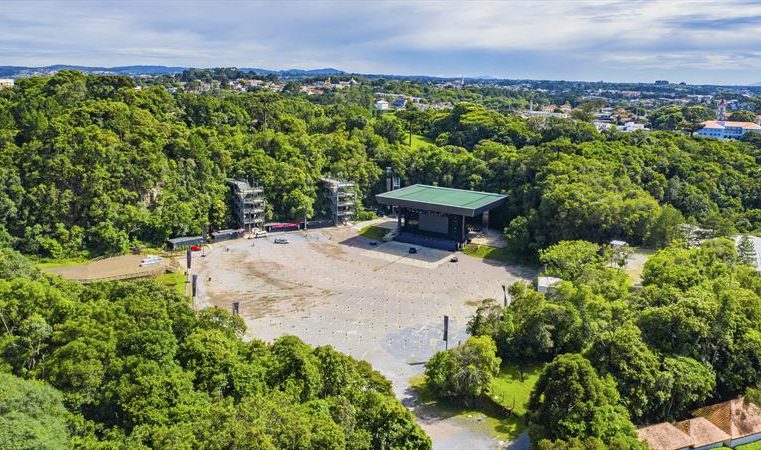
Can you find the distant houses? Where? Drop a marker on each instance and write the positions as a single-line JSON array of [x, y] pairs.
[[731, 423], [560, 115]]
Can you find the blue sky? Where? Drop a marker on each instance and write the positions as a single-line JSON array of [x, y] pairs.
[[692, 41]]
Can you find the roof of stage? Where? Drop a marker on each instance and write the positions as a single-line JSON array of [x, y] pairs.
[[441, 199]]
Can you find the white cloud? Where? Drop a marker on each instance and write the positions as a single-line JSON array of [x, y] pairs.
[[387, 36]]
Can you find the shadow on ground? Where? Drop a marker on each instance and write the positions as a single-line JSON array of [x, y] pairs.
[[396, 249]]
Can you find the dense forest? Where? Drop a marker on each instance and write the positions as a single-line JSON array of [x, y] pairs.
[[131, 365], [617, 356], [92, 164]]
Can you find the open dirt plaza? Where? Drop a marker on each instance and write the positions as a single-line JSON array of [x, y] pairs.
[[377, 303]]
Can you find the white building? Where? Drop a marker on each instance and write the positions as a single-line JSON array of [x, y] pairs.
[[381, 105], [617, 244], [724, 129], [630, 127], [602, 126], [6, 83], [544, 285]]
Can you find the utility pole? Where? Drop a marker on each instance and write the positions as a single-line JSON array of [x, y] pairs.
[[446, 332], [195, 289]]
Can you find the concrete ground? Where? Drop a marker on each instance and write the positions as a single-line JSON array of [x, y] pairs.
[[377, 303]]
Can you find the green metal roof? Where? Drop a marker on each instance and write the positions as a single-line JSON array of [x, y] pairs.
[[441, 199]]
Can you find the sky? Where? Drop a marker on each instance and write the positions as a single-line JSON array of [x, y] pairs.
[[716, 42]]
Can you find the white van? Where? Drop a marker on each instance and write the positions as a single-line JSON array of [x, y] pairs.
[[151, 260], [260, 234]]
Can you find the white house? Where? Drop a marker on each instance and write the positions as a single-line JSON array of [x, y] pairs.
[[617, 244], [630, 127], [602, 126], [544, 284], [6, 83], [725, 129], [381, 105]]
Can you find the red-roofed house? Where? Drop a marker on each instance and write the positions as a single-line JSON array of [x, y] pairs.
[[664, 436], [704, 433], [740, 419]]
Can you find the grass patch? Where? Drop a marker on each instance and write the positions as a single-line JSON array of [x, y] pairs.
[[752, 446], [373, 232], [63, 262], [493, 253], [174, 280], [507, 390], [419, 141]]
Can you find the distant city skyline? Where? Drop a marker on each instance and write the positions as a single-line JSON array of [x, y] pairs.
[[691, 41]]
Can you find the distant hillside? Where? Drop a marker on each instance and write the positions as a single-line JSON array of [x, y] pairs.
[[296, 72], [15, 71]]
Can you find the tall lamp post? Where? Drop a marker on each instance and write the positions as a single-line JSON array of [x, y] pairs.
[[504, 294]]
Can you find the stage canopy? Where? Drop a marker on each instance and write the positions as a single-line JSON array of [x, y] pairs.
[[442, 200]]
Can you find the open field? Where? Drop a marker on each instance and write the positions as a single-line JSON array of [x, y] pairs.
[[116, 268], [173, 280], [377, 303]]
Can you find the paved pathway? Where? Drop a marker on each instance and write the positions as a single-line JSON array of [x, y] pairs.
[[377, 303]]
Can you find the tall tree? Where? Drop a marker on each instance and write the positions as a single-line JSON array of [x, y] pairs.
[[570, 400]]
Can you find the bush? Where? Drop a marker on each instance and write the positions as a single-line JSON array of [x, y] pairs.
[[464, 372]]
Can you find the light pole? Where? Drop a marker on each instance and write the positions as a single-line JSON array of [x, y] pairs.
[[504, 294]]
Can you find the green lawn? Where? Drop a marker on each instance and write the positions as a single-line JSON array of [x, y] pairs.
[[752, 446], [507, 390], [174, 280], [373, 232], [63, 262], [419, 141], [493, 253]]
